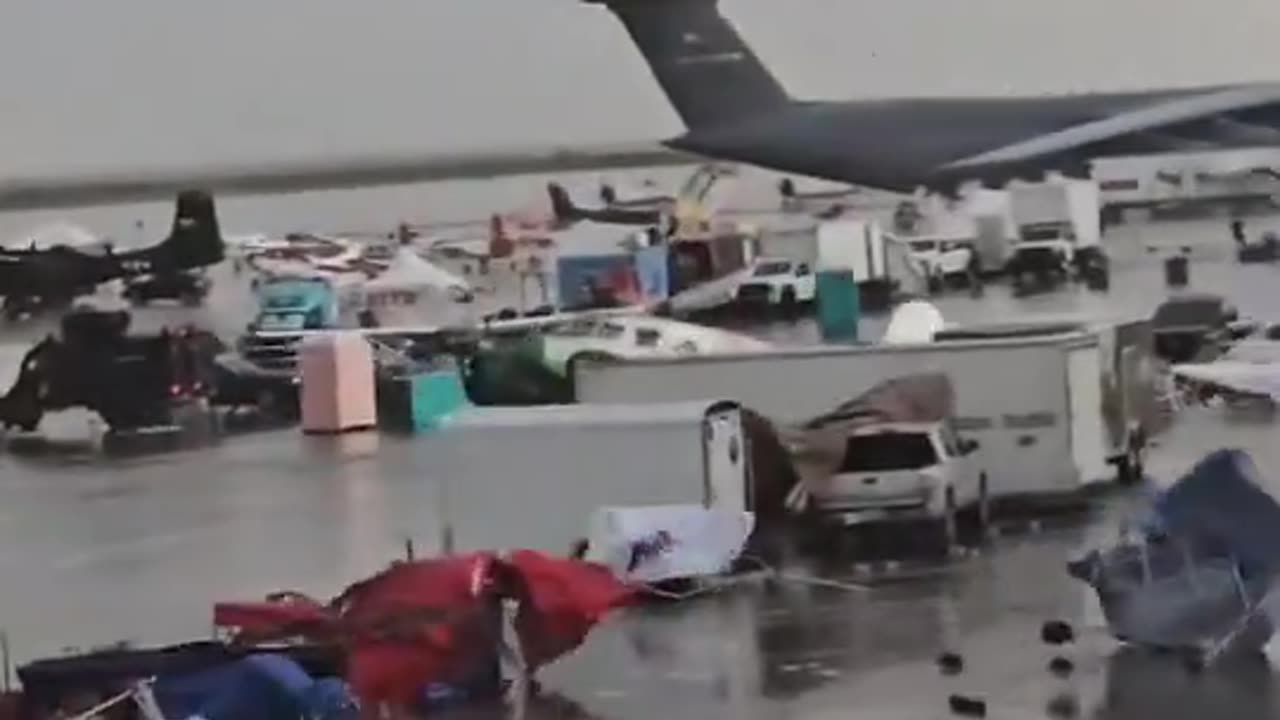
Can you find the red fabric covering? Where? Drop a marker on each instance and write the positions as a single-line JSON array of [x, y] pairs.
[[420, 622], [439, 620], [273, 614], [443, 584], [565, 599], [623, 284], [500, 244]]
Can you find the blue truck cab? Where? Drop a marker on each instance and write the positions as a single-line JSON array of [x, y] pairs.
[[287, 307], [296, 304]]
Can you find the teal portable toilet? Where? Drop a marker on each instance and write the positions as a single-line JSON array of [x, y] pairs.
[[435, 396], [838, 305], [420, 401]]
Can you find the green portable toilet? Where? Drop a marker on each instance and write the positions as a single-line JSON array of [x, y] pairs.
[[838, 305], [420, 401]]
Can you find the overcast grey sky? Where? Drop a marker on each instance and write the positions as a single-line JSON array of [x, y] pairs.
[[143, 82]]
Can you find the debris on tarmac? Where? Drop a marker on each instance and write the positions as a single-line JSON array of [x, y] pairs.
[[951, 663], [967, 706], [1057, 632], [1061, 666]]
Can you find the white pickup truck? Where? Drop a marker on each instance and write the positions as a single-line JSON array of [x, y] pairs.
[[909, 472], [777, 281]]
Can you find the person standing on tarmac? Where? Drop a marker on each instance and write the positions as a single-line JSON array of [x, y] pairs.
[[1237, 231], [974, 271]]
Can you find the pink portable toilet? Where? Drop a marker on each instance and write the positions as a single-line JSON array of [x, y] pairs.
[[338, 388]]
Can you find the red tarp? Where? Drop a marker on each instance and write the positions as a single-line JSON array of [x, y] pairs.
[[438, 620], [565, 600], [281, 616]]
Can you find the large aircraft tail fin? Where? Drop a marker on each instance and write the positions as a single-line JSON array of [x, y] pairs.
[[195, 240], [706, 70]]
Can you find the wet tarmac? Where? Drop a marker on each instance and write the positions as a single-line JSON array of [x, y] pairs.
[[95, 551]]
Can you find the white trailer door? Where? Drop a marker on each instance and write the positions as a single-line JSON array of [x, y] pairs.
[[726, 462], [1088, 430]]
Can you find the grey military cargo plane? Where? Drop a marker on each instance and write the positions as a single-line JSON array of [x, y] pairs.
[[734, 109]]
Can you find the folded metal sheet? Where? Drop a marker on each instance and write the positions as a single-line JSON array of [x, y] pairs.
[[818, 445]]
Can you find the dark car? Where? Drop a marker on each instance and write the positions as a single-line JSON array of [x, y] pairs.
[[1193, 326]]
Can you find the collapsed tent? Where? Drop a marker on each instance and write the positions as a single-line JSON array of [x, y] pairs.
[[818, 445], [1198, 571], [440, 620], [410, 278], [47, 684]]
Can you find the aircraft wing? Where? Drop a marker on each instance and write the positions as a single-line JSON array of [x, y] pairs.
[[1262, 379], [155, 184], [1213, 119]]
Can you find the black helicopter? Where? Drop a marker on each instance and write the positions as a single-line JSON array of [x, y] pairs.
[[33, 279]]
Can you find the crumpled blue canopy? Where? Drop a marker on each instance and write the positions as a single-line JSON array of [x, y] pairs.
[[1220, 508], [259, 687]]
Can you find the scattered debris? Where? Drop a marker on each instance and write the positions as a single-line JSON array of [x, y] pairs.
[[967, 706], [1195, 572], [951, 663], [1057, 632], [1061, 666]]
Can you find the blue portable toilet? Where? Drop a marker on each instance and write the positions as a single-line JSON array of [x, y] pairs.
[[839, 308]]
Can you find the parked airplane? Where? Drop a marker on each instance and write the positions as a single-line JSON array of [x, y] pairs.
[[647, 194], [692, 203], [34, 278], [565, 211], [735, 109]]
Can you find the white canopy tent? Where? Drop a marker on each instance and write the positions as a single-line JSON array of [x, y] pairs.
[[413, 290]]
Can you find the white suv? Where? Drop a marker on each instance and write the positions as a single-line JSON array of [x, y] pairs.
[[778, 281], [909, 471]]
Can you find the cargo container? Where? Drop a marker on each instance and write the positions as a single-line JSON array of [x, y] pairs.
[[531, 477]]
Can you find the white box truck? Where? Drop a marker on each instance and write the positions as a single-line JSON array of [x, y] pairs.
[[1059, 233], [880, 263], [532, 477]]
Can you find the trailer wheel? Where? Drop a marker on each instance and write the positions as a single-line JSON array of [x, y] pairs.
[[979, 515], [787, 301], [945, 530]]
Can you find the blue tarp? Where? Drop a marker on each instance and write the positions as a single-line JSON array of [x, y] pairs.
[[1219, 507], [259, 687], [653, 271]]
